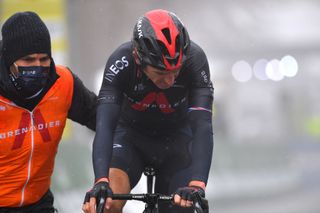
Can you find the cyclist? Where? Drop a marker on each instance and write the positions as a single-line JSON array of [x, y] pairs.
[[36, 98], [154, 109]]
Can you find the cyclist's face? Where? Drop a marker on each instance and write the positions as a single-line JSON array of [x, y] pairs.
[[161, 78]]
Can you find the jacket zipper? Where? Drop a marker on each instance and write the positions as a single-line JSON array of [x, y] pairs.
[[30, 159]]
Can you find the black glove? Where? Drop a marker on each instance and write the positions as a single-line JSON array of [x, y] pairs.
[[100, 190], [190, 192]]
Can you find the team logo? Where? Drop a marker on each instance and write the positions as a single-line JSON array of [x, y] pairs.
[[158, 98], [115, 68], [39, 124], [139, 25], [117, 145]]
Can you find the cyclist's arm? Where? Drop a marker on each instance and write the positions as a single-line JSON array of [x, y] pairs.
[[202, 146], [108, 110], [107, 116], [83, 106], [200, 117]]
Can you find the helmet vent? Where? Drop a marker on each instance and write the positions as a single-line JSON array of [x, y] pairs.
[[166, 33], [172, 60], [186, 39], [163, 48], [149, 46], [178, 44]]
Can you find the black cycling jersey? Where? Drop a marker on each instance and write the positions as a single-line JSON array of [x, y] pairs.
[[127, 94]]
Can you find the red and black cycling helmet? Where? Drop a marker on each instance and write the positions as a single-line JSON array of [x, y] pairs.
[[161, 40]]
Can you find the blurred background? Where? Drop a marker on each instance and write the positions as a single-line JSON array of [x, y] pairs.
[[265, 65]]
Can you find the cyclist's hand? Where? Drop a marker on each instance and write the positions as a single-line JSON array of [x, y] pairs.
[[98, 196], [185, 195]]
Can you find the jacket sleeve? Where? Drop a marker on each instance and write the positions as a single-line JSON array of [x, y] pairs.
[[107, 118], [200, 116], [84, 104]]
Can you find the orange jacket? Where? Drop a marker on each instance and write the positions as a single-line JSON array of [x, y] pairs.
[[29, 142]]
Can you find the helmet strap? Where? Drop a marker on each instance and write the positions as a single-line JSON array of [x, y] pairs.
[[137, 59]]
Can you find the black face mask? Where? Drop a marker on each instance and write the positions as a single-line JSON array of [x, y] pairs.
[[30, 80]]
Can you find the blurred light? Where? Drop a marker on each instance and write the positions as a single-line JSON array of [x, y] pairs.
[[313, 126], [273, 70], [259, 69], [242, 71], [289, 66]]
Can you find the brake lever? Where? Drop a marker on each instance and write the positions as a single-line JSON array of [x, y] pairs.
[[200, 204], [101, 205]]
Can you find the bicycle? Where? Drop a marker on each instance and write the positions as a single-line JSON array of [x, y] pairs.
[[151, 199]]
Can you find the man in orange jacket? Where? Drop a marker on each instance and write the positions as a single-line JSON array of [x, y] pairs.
[[36, 98]]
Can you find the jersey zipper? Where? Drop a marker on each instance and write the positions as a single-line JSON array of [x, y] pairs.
[[30, 160]]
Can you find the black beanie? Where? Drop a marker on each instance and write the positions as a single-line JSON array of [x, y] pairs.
[[24, 33]]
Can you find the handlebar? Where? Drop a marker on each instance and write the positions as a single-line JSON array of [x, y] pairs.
[[142, 197], [200, 204]]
